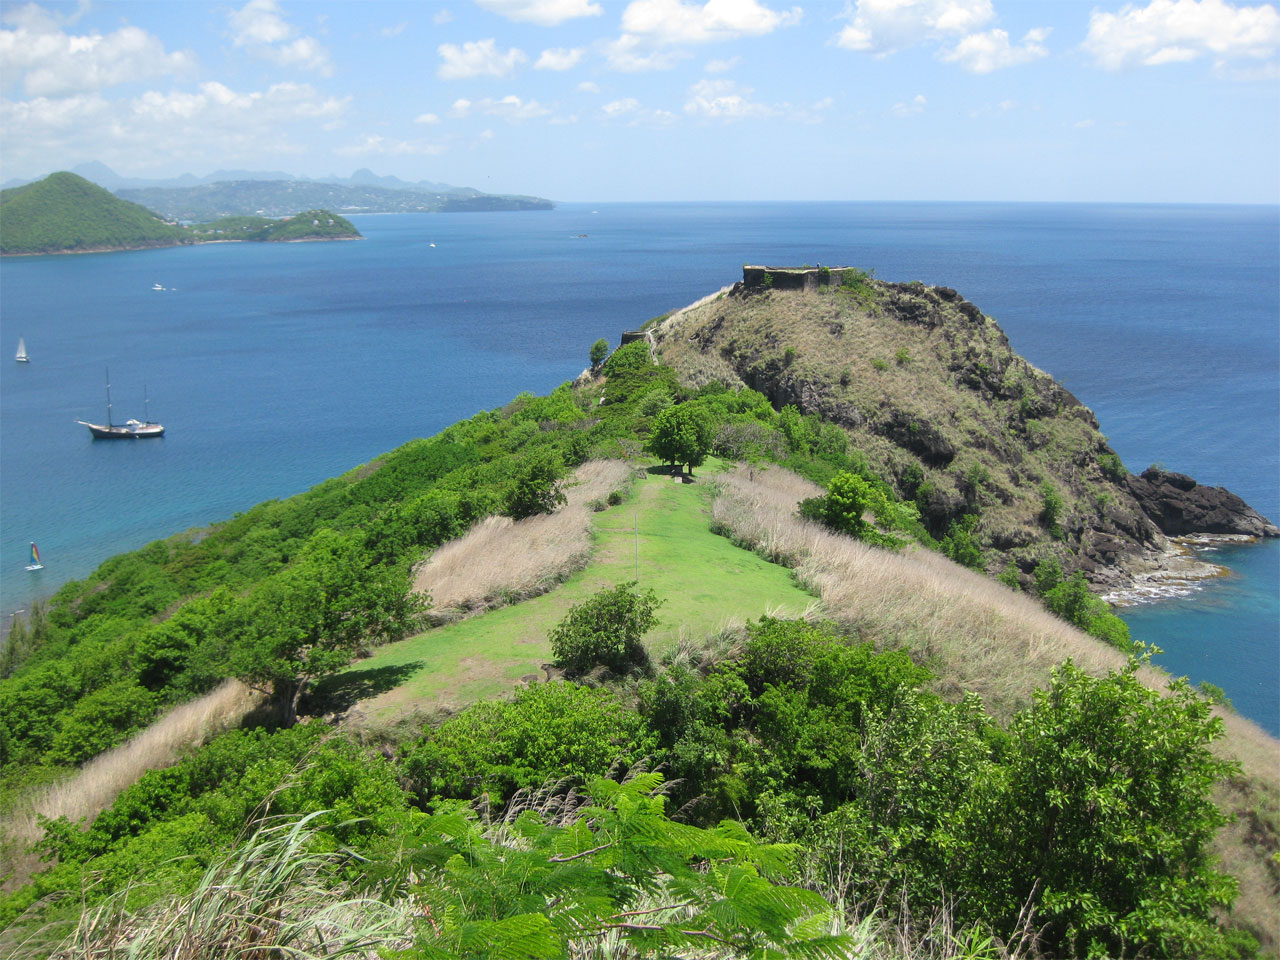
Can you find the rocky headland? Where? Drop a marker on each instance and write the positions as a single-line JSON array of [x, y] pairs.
[[930, 390]]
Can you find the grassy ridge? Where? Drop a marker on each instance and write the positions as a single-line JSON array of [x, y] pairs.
[[703, 580]]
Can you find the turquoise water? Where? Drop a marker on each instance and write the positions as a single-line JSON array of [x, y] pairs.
[[276, 366]]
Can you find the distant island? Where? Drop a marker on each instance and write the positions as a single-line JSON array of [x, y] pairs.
[[65, 213], [227, 193]]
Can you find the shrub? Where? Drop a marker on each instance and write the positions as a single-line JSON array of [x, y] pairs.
[[1009, 576], [1051, 508], [1109, 818], [536, 486], [1112, 466], [606, 630], [1047, 575], [849, 497], [789, 356], [629, 358], [880, 363], [960, 544], [902, 357], [548, 731], [846, 377]]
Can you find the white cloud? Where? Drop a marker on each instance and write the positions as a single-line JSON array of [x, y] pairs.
[[1083, 124], [53, 63], [177, 126], [461, 107], [586, 86], [649, 26], [632, 54], [721, 66], [724, 99], [258, 21], [884, 26], [427, 118], [260, 28], [558, 58], [1173, 31], [479, 58], [372, 144], [396, 30], [512, 109], [678, 22], [909, 108], [546, 13], [620, 108], [990, 51], [442, 16]]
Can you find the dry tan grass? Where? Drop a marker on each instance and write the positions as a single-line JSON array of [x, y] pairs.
[[979, 635], [95, 785], [499, 559]]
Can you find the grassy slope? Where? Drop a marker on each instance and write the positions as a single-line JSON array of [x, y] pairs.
[[67, 212], [704, 579]]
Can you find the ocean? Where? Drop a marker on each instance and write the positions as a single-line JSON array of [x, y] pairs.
[[276, 366]]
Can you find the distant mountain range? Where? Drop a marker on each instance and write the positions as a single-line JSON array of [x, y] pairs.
[[273, 193]]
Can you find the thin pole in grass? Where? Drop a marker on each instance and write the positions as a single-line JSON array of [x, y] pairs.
[[636, 520]]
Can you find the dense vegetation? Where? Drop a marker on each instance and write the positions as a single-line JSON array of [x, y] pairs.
[[809, 779], [64, 212]]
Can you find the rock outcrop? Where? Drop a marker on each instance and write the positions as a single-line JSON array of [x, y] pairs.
[[1179, 506]]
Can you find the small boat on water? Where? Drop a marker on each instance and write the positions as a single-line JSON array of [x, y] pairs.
[[21, 356], [156, 286], [35, 563], [130, 429]]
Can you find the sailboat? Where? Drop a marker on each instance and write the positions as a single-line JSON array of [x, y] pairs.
[[35, 563], [21, 356], [130, 429]]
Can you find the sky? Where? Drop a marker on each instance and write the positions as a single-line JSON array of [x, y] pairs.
[[651, 100]]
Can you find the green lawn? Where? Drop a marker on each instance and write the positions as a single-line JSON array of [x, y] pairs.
[[702, 578]]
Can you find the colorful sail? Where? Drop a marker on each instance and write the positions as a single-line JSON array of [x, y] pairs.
[[35, 563]]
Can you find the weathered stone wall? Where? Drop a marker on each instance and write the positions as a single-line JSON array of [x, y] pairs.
[[792, 278]]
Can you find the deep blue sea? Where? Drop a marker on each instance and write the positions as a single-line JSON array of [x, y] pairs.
[[275, 366]]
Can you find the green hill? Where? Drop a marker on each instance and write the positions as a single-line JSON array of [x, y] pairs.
[[67, 213], [307, 225]]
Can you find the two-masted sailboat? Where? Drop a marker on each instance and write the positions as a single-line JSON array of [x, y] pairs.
[[130, 429]]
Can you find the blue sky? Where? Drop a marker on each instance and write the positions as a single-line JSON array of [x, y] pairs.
[[1151, 101]]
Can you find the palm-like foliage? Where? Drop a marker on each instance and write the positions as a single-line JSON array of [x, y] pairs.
[[619, 879]]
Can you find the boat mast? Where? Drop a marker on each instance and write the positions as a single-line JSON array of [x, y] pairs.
[[108, 371]]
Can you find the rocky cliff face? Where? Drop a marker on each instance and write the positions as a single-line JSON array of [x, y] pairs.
[[930, 390]]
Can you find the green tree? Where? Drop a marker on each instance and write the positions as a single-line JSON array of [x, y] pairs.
[[311, 619], [599, 350], [605, 629], [1051, 508], [682, 436], [1109, 818], [535, 486]]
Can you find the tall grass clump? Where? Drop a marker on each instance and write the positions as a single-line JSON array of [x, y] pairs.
[[274, 895], [95, 786], [500, 560]]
